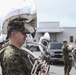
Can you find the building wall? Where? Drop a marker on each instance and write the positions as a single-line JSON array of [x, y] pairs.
[[48, 24], [63, 33], [68, 31], [37, 36]]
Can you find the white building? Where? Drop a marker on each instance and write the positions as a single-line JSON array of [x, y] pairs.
[[56, 32]]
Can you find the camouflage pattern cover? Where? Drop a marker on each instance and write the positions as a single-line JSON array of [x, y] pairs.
[[15, 62]]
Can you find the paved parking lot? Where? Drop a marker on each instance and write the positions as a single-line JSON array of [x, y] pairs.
[[57, 69]]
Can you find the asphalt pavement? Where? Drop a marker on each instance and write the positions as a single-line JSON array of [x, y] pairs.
[[57, 69]]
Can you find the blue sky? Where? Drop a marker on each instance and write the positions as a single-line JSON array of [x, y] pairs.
[[63, 11]]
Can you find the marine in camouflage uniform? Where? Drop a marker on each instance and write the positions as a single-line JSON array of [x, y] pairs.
[[67, 61], [15, 62], [17, 24]]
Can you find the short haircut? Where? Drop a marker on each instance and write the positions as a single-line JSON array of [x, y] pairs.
[[16, 25]]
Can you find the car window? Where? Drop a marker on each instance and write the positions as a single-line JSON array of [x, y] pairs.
[[56, 46], [35, 48]]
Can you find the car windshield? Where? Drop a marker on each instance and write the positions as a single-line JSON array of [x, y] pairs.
[[56, 46]]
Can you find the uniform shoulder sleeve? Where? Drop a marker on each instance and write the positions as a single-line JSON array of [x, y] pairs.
[[14, 65]]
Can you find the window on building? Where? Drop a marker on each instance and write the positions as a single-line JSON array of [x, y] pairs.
[[71, 38], [35, 40]]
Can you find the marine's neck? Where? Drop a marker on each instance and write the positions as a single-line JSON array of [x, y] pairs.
[[15, 44]]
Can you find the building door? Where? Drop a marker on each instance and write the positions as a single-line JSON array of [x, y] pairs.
[[53, 37]]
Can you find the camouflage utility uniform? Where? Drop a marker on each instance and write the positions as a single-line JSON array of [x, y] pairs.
[[15, 62], [67, 61]]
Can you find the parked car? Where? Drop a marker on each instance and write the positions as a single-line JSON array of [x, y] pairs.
[[56, 52]]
